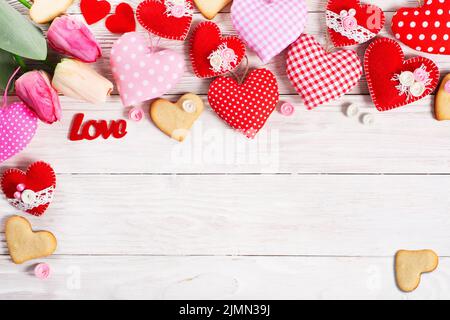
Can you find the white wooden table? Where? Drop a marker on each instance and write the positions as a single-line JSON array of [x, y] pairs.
[[316, 208]]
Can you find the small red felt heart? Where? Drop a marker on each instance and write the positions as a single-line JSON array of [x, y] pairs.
[[123, 20], [245, 107], [94, 10], [384, 62], [426, 28], [166, 19], [207, 42], [351, 23], [39, 181]]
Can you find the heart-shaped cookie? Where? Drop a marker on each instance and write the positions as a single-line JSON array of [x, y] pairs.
[[245, 107], [170, 19], [94, 10], [18, 123], [213, 55], [426, 28], [44, 11], [142, 74], [269, 26], [24, 244], [393, 81], [319, 76], [122, 21], [351, 23], [31, 191], [210, 8], [176, 119], [442, 104], [409, 266]]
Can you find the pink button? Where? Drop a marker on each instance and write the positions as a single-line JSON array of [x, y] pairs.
[[42, 271], [447, 86], [17, 195], [136, 114], [287, 109]]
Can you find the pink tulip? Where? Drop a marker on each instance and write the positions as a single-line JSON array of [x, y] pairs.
[[73, 38], [35, 90]]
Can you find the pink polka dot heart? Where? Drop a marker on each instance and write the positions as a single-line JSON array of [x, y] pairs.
[[18, 125], [425, 29], [142, 74], [245, 107]]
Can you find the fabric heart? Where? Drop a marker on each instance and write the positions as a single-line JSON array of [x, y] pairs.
[[245, 107], [395, 82], [30, 191], [269, 26], [94, 10], [141, 73], [19, 124], [351, 23], [169, 19], [176, 119], [426, 28], [319, 76], [122, 21], [210, 8], [212, 55]]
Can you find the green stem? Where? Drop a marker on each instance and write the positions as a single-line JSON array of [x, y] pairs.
[[25, 3], [20, 62]]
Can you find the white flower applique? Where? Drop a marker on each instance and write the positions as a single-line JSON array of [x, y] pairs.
[[413, 84], [223, 59], [178, 8]]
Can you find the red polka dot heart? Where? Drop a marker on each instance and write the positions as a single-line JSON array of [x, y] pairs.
[[425, 29]]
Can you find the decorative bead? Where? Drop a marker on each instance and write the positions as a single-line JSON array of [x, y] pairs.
[[20, 187], [17, 195], [352, 111], [136, 114], [189, 106], [368, 119], [287, 109], [42, 271]]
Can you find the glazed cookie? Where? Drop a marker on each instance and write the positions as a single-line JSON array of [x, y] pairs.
[[176, 119], [442, 106], [210, 8], [409, 266], [24, 244]]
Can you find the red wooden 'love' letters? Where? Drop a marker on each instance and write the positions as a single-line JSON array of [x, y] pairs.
[[93, 129]]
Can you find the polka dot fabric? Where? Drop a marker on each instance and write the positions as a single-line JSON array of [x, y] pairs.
[[245, 107], [18, 125], [425, 29], [141, 74]]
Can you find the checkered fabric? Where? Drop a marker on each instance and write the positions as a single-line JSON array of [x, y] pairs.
[[269, 27], [318, 76]]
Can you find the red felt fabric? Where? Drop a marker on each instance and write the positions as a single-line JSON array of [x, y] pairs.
[[39, 176], [205, 40], [122, 21], [426, 28], [368, 16], [384, 59], [245, 107], [94, 10], [151, 15]]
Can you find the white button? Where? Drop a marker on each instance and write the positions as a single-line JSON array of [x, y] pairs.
[[417, 89], [352, 111], [368, 119], [28, 196], [407, 78], [189, 106], [216, 61]]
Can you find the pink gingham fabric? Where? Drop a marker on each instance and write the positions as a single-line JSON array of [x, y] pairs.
[[319, 76], [269, 26]]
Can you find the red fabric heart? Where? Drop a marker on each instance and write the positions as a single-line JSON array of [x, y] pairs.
[[426, 28], [39, 177], [123, 20], [207, 39], [245, 107], [368, 17], [94, 10], [384, 59], [157, 17]]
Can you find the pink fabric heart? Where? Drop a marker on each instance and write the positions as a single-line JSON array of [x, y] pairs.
[[141, 73], [18, 125], [269, 26]]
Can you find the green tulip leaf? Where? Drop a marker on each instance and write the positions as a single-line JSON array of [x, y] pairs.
[[7, 67], [19, 36]]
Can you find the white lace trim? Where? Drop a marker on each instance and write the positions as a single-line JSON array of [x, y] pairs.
[[220, 61], [359, 34], [42, 197]]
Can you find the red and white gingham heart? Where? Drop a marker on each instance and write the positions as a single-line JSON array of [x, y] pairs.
[[319, 76]]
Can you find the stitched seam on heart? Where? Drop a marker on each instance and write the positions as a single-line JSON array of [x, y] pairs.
[[139, 18], [402, 54], [191, 51]]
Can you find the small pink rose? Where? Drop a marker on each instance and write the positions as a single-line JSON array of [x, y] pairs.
[[178, 11], [350, 23], [42, 271], [287, 109], [420, 75]]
